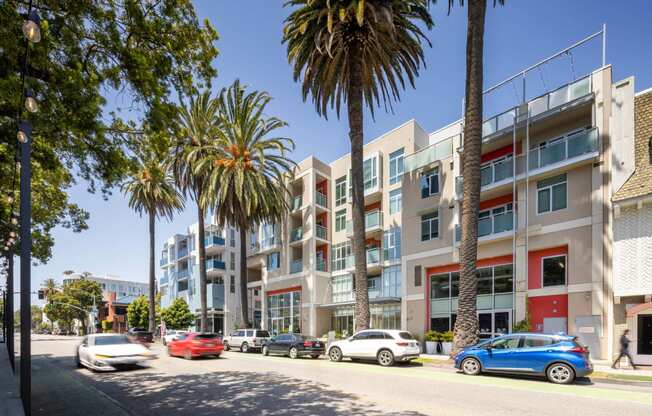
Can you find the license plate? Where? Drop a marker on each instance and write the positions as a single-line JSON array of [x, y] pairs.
[[210, 345], [317, 344]]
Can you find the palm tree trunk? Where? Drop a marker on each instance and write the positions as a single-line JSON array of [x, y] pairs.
[[244, 301], [152, 277], [356, 137], [202, 268], [466, 325]]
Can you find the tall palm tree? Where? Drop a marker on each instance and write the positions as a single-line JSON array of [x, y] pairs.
[[247, 170], [466, 326], [151, 191], [50, 287], [198, 123], [362, 52]]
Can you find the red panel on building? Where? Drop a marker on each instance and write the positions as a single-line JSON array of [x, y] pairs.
[[323, 249], [371, 207], [322, 187], [540, 307], [497, 153], [534, 264], [496, 202], [286, 290]]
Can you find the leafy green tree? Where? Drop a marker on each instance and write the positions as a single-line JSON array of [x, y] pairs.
[[247, 169], [85, 293], [197, 129], [152, 192], [61, 308], [148, 52], [37, 316], [138, 312], [177, 315], [361, 52]]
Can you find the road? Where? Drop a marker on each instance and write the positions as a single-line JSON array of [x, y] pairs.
[[250, 384]]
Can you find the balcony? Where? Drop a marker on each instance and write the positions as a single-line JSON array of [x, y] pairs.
[[321, 265], [321, 232], [321, 199], [296, 234], [428, 155], [183, 274], [214, 242], [491, 228], [215, 265], [183, 252], [373, 222], [296, 266], [164, 280], [538, 107], [574, 146], [269, 243], [163, 262], [373, 259], [345, 263], [297, 203]]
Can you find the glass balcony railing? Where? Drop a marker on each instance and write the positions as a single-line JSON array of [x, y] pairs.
[[296, 266], [428, 155], [214, 264], [539, 105], [296, 234], [183, 252], [343, 263], [163, 261], [496, 172], [321, 199], [372, 221], [321, 265], [490, 225], [297, 202], [321, 232], [182, 274], [568, 147], [164, 280], [373, 256], [270, 242], [214, 241]]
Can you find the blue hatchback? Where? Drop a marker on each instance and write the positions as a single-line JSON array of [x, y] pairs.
[[560, 358]]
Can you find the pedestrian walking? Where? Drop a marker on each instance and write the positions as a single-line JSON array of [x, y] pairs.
[[624, 350]]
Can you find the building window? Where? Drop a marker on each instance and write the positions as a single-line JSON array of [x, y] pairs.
[[340, 220], [417, 276], [395, 200], [182, 285], [232, 261], [273, 260], [340, 191], [342, 288], [232, 231], [342, 256], [551, 194], [392, 244], [429, 183], [284, 313], [430, 226], [395, 166], [370, 173], [553, 271], [232, 284], [391, 282]]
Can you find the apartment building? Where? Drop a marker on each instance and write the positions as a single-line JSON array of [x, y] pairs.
[[632, 278], [180, 273], [112, 284]]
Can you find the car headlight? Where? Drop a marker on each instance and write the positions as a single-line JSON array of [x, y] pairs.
[[103, 356], [146, 354]]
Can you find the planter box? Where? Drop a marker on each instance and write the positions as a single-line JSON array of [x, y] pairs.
[[447, 347], [431, 347]]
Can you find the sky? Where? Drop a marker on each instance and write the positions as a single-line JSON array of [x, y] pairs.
[[517, 35]]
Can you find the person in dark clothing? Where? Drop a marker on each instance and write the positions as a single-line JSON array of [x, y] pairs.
[[624, 350]]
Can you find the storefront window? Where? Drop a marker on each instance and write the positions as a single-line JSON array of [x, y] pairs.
[[485, 277], [440, 286], [284, 312]]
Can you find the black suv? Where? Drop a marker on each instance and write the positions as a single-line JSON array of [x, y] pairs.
[[294, 345]]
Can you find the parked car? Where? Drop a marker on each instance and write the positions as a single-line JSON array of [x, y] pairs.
[[384, 346], [194, 344], [246, 339], [559, 358], [171, 335], [294, 346], [105, 352], [140, 335]]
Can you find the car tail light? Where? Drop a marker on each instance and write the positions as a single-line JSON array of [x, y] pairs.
[[402, 344], [307, 344], [253, 340], [579, 350]]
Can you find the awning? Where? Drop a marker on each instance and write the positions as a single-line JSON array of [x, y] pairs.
[[639, 308], [374, 301]]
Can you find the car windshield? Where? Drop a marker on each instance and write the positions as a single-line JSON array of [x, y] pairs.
[[405, 335], [112, 340], [262, 334]]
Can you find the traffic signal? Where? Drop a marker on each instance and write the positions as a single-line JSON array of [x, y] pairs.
[[41, 294]]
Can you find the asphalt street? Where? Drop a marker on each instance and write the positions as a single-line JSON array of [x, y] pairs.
[[250, 384]]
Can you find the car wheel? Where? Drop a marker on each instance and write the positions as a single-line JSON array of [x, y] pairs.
[[335, 354], [244, 347], [471, 366], [560, 373], [294, 352], [265, 351], [226, 346], [385, 358], [187, 355]]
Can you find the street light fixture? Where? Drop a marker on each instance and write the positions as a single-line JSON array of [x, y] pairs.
[[24, 131], [32, 28], [31, 104]]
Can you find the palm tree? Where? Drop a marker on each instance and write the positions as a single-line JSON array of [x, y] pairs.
[[50, 287], [151, 191], [247, 170], [466, 326], [198, 123], [361, 52]]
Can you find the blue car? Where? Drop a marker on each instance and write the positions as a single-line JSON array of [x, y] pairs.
[[560, 358]]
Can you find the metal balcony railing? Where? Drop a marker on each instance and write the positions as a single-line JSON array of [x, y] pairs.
[[214, 241], [373, 255], [182, 274], [321, 265], [428, 155], [490, 225], [321, 232], [297, 202], [321, 199], [296, 266], [296, 234], [163, 261], [372, 221], [214, 264], [183, 252], [555, 151]]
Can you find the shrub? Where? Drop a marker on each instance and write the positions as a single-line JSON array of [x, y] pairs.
[[432, 336], [447, 336], [107, 326]]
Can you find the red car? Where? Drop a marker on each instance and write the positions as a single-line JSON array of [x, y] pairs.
[[195, 344]]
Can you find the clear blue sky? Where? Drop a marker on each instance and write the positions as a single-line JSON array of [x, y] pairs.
[[517, 35]]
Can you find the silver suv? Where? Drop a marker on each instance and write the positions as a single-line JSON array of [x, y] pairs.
[[246, 339]]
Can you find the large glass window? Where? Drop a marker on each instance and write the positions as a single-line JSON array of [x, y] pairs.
[[440, 286], [395, 200], [340, 220], [554, 271], [284, 312], [340, 191], [503, 279], [395, 166], [429, 183], [551, 194], [273, 260], [391, 282], [342, 288], [485, 283], [341, 254], [430, 226], [370, 173], [392, 244]]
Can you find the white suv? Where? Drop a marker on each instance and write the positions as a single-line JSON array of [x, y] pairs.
[[246, 339], [382, 345]]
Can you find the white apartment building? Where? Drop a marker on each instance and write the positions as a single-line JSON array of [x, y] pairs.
[[112, 284]]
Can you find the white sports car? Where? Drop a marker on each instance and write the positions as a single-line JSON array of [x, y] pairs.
[[105, 352]]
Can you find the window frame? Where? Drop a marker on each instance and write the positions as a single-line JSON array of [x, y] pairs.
[[268, 262], [550, 198], [396, 194], [340, 216], [427, 176], [341, 199], [565, 256], [430, 238], [398, 158]]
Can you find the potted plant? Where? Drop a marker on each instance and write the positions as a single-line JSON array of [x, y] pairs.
[[447, 342], [431, 338]]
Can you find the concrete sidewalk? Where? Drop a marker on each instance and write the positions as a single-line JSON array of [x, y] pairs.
[[10, 403]]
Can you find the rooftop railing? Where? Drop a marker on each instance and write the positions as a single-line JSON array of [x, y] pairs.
[[428, 155]]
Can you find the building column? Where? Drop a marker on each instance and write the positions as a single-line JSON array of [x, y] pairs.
[[520, 257]]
